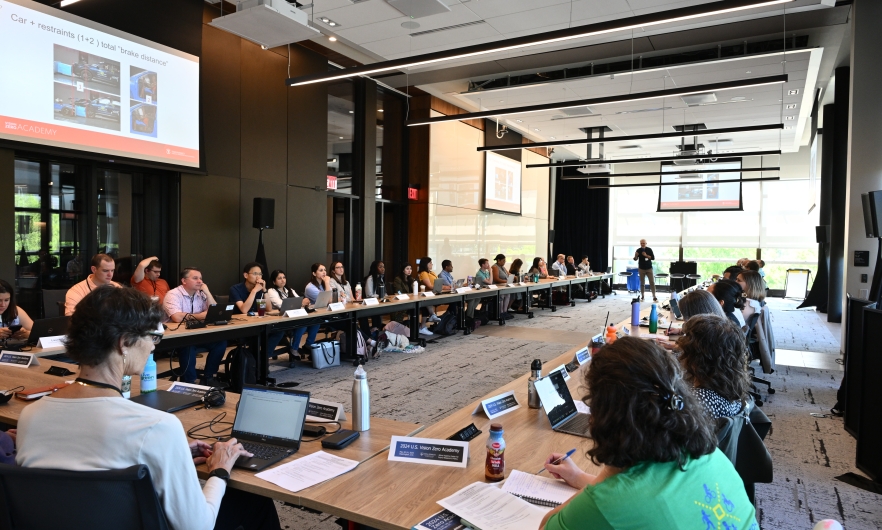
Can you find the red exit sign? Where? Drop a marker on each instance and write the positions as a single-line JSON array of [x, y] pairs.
[[332, 182], [412, 193]]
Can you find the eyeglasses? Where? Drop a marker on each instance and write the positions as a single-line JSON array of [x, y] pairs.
[[338, 267], [256, 273], [154, 336]]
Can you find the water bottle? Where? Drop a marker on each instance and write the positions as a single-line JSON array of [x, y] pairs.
[[416, 288], [533, 400], [381, 290], [361, 401], [358, 292], [335, 297], [148, 376], [635, 312], [126, 387], [653, 319]]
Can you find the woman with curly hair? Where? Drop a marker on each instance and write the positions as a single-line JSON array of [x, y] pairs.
[[661, 465], [714, 360]]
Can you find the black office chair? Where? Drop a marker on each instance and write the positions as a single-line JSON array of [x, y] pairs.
[[752, 460], [222, 299], [53, 300], [753, 347], [123, 499], [663, 276], [679, 278]]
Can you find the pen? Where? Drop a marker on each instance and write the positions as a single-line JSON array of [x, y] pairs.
[[559, 460]]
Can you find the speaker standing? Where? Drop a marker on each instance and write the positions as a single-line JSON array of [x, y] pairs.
[[644, 257]]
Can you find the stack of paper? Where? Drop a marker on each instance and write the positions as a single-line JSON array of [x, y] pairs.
[[487, 507], [307, 471]]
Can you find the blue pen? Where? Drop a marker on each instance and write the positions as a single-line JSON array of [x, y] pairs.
[[559, 460]]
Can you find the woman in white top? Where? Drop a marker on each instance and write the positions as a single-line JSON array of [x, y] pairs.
[[89, 426], [280, 291], [339, 282], [12, 315]]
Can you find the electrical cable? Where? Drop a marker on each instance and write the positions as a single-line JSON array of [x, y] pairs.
[[217, 420], [315, 439]]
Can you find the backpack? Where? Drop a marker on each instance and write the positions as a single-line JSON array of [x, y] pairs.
[[447, 326], [241, 368]]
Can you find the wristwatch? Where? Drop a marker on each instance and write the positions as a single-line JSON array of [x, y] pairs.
[[220, 473]]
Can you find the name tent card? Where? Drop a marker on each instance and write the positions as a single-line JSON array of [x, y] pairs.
[[583, 355], [371, 301], [461, 290], [492, 287], [402, 297], [428, 293], [188, 389], [18, 360], [336, 306], [448, 453], [563, 371], [319, 410], [296, 313], [56, 341], [498, 405]]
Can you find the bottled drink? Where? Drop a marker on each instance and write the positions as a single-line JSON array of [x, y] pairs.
[[610, 334], [361, 401], [416, 288], [126, 386], [533, 400], [635, 312], [148, 376], [358, 292], [261, 307], [381, 290], [335, 297], [494, 468], [653, 319]]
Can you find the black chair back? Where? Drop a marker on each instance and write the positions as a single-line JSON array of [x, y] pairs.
[[222, 299], [122, 499]]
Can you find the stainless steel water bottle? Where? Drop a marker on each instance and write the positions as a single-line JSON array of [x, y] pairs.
[[533, 400], [361, 401]]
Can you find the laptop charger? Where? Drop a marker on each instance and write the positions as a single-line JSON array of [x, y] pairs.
[[314, 430]]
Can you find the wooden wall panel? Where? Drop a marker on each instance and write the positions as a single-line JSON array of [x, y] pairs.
[[221, 102], [418, 174], [210, 229], [307, 232], [264, 110], [307, 123]]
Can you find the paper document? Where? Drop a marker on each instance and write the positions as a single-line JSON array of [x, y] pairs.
[[489, 508], [307, 471], [538, 489]]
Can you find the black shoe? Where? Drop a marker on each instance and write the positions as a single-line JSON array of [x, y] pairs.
[[654, 299]]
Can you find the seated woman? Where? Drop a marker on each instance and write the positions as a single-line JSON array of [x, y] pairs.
[[660, 464], [500, 277], [754, 291], [339, 282], [539, 268], [280, 291], [517, 299], [12, 315], [403, 284], [426, 277], [730, 296], [483, 278], [694, 303], [374, 286], [111, 334], [714, 360], [319, 282]]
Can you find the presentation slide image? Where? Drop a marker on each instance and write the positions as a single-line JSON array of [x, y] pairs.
[[502, 184], [143, 119], [87, 107], [143, 85], [687, 192], [503, 188], [86, 70]]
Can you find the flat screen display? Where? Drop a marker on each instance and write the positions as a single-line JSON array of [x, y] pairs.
[[502, 183], [706, 190], [71, 83]]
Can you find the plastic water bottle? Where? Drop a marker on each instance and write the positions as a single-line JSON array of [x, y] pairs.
[[358, 292], [635, 312], [653, 319], [148, 376], [416, 288], [361, 401], [533, 400]]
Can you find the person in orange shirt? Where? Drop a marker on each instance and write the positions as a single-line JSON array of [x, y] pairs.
[[146, 278]]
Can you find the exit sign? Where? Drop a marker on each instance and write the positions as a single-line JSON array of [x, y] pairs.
[[412, 193], [332, 182]]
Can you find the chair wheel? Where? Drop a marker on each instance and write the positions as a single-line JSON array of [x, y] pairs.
[[759, 402], [771, 390], [573, 303], [553, 308]]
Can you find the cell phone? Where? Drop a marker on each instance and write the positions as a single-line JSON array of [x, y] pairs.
[[340, 439], [14, 329]]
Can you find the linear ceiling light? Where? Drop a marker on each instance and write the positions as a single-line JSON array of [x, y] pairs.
[[551, 37], [669, 173], [622, 98], [580, 163], [607, 186], [609, 139]]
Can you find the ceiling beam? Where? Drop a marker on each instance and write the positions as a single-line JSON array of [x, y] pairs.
[[607, 186], [669, 173], [581, 163]]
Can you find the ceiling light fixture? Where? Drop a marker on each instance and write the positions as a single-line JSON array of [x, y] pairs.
[[610, 139], [65, 3], [651, 173], [579, 163], [791, 106], [793, 92], [789, 118], [607, 186], [332, 38], [622, 98], [551, 37]]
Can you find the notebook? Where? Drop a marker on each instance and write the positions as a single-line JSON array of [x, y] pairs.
[[537, 489], [167, 401], [269, 424], [560, 407]]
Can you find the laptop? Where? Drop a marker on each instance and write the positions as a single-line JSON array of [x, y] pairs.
[[269, 424], [167, 401], [293, 302], [219, 315], [675, 308], [459, 283], [45, 327], [560, 407], [322, 300], [438, 288]]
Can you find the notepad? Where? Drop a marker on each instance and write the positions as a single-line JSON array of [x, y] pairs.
[[538, 490], [486, 507]]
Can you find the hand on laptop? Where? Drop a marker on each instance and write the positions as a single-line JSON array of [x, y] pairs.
[[225, 454]]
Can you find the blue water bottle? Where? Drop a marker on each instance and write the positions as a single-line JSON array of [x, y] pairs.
[[635, 312], [148, 376], [653, 319]]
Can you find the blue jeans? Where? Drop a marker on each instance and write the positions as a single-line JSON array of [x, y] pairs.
[[310, 337], [187, 360]]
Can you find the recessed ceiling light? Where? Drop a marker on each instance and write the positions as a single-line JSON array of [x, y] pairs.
[[789, 118], [381, 110], [520, 121], [748, 72], [553, 138], [341, 137], [792, 92], [788, 127], [791, 106], [329, 22], [351, 112], [332, 38], [325, 20], [501, 101], [332, 23], [537, 130], [262, 47]]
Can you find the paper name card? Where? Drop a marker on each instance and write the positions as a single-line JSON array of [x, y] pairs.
[[336, 306], [563, 371], [188, 389], [509, 285], [319, 410], [371, 301], [402, 297], [460, 290], [296, 313], [56, 341], [498, 405], [428, 293], [450, 453], [492, 287], [18, 360], [583, 355]]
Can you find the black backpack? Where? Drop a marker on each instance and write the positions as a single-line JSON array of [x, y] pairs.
[[447, 326], [241, 368]]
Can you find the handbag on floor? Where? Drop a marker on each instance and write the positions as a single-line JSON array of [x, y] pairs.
[[325, 354]]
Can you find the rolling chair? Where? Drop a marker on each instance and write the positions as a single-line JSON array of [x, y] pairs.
[[753, 347], [625, 277], [53, 298], [739, 440], [123, 499]]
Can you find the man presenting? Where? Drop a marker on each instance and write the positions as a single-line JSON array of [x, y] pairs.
[[103, 268], [146, 279], [644, 257]]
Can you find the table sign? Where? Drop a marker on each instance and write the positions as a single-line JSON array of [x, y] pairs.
[[336, 306], [56, 341], [563, 371], [492, 287], [428, 293], [19, 360], [498, 405], [448, 453], [296, 313], [461, 290], [319, 410], [583, 355], [402, 297], [188, 389], [371, 301], [443, 520]]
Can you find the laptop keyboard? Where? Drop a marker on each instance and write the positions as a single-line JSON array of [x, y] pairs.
[[265, 452], [578, 424]]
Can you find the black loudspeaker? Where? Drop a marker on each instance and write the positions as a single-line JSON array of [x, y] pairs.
[[822, 234], [264, 212], [551, 236]]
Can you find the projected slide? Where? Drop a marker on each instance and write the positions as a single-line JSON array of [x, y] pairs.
[[707, 190], [69, 82], [502, 183]]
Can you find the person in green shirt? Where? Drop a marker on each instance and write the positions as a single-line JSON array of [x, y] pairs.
[[661, 466], [483, 277]]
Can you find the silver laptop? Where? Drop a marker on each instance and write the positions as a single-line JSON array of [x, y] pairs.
[[322, 300], [438, 288], [675, 308], [560, 407], [292, 302], [269, 424], [459, 283]]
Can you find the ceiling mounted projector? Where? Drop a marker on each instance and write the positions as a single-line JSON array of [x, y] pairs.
[[591, 169], [269, 23]]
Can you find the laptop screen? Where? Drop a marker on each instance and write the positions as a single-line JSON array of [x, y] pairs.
[[675, 308], [556, 398], [271, 414]]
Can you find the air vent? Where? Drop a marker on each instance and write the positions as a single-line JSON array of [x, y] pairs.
[[693, 100], [446, 28], [419, 8], [578, 111]]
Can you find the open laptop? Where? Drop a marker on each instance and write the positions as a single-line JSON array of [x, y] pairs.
[[459, 283], [675, 308], [560, 407], [219, 314], [269, 424], [45, 327], [438, 287], [293, 302], [322, 300]]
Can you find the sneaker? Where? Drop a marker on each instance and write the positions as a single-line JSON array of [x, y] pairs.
[[434, 318], [425, 331], [654, 299]]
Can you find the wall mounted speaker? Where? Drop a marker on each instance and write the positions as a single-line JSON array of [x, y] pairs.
[[264, 212], [822, 234]]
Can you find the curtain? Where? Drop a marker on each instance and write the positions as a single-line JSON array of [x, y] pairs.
[[581, 220]]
